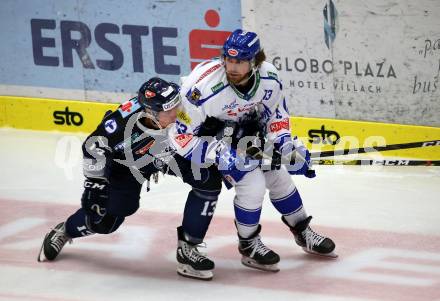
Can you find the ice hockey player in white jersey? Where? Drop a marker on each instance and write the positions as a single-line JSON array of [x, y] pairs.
[[236, 99]]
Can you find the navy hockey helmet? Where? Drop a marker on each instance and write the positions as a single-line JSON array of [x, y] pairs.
[[242, 45], [159, 95]]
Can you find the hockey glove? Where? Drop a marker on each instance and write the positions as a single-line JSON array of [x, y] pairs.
[[231, 165], [298, 155]]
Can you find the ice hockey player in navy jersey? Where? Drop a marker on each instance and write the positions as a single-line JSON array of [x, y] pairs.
[[239, 98], [128, 147]]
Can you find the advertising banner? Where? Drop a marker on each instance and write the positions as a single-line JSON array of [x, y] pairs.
[[373, 60], [43, 114], [104, 50]]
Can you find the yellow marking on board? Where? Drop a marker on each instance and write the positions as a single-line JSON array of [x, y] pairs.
[[63, 115]]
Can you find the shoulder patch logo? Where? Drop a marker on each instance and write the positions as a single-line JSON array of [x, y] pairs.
[[194, 96], [217, 87], [110, 126]]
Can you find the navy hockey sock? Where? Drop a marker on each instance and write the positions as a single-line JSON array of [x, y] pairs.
[[199, 210], [76, 225]]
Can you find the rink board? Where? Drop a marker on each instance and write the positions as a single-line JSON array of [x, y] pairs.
[[338, 135], [318, 134], [46, 114]]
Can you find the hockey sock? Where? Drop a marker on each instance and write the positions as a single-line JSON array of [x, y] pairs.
[[246, 220], [198, 213], [291, 207], [76, 225]]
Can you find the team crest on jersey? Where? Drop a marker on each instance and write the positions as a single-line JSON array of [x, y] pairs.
[[193, 96], [110, 126], [232, 52]]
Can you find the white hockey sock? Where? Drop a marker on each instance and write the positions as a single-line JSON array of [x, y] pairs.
[[296, 217], [246, 231]]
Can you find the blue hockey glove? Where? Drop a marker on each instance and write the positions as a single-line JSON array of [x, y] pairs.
[[231, 165], [299, 157], [302, 160]]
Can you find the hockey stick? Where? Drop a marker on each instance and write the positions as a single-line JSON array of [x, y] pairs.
[[364, 150], [316, 156], [384, 162]]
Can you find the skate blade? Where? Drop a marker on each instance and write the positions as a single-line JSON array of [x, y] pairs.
[[331, 255], [186, 270], [249, 262]]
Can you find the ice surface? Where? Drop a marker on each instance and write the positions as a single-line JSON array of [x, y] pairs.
[[384, 220]]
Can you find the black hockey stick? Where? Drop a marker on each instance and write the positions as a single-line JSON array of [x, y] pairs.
[[384, 162], [364, 150], [317, 156]]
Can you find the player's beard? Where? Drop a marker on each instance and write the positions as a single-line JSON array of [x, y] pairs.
[[237, 79]]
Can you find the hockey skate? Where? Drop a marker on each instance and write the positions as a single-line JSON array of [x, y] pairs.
[[310, 241], [256, 255], [53, 242], [192, 263]]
